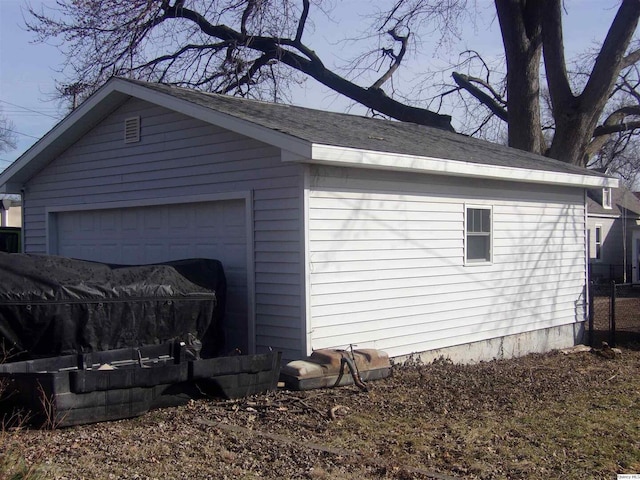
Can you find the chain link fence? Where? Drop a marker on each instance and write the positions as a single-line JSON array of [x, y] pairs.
[[614, 314]]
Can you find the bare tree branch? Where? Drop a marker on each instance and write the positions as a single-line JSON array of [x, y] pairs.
[[8, 139], [397, 59], [245, 16], [630, 59], [610, 59], [614, 123], [253, 70], [619, 127], [375, 99], [467, 83], [302, 22]]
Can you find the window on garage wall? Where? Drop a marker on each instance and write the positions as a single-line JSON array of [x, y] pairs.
[[478, 234]]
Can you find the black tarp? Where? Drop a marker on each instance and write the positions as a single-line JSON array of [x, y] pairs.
[[53, 305]]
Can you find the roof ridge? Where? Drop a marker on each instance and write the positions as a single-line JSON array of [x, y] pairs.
[[193, 91]]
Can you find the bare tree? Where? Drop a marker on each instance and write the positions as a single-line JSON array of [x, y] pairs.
[[619, 155], [7, 135], [230, 46], [256, 48]]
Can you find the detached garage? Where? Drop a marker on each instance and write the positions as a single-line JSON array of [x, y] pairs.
[[334, 230]]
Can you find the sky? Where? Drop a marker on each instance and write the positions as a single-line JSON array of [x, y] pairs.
[[28, 70]]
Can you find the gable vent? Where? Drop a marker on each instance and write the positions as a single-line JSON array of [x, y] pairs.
[[132, 130]]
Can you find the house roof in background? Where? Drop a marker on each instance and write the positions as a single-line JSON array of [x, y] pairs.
[[310, 135], [623, 200]]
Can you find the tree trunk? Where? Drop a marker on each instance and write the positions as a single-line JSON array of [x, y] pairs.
[[521, 35], [571, 138]]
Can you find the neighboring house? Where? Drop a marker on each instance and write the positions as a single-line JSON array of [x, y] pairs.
[[614, 235], [10, 211], [334, 229]]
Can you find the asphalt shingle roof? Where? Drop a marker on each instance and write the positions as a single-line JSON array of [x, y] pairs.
[[358, 132]]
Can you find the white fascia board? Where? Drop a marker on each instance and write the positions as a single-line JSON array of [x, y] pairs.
[[351, 157], [223, 120]]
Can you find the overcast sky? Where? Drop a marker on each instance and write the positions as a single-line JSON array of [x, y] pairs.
[[28, 70]]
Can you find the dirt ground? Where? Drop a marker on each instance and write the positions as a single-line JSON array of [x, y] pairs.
[[542, 416]]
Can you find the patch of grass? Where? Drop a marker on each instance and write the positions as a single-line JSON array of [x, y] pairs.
[[13, 464], [540, 417]]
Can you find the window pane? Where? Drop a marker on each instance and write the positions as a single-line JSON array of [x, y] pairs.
[[478, 248], [485, 225], [478, 220]]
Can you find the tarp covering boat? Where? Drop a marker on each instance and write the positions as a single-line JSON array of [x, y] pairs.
[[53, 305]]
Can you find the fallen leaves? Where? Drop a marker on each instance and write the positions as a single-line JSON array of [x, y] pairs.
[[542, 416]]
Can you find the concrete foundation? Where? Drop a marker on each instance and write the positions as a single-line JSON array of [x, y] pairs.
[[537, 341]]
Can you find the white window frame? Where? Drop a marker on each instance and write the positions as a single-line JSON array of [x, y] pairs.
[[607, 196], [597, 243], [490, 234]]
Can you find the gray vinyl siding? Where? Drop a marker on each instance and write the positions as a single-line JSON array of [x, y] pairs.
[[177, 156], [386, 260]]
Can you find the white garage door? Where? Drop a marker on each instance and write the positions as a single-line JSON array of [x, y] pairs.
[[141, 235]]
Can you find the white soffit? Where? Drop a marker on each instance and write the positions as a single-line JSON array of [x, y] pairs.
[[351, 157]]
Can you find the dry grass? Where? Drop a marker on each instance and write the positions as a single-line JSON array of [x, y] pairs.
[[538, 417]]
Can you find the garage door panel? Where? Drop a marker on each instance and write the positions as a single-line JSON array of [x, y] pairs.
[[109, 223], [110, 251], [167, 232], [87, 224], [129, 220], [203, 251], [180, 251], [204, 218], [180, 218], [155, 252], [153, 220], [128, 251]]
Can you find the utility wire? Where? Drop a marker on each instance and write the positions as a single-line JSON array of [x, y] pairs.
[[30, 110], [20, 133]]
